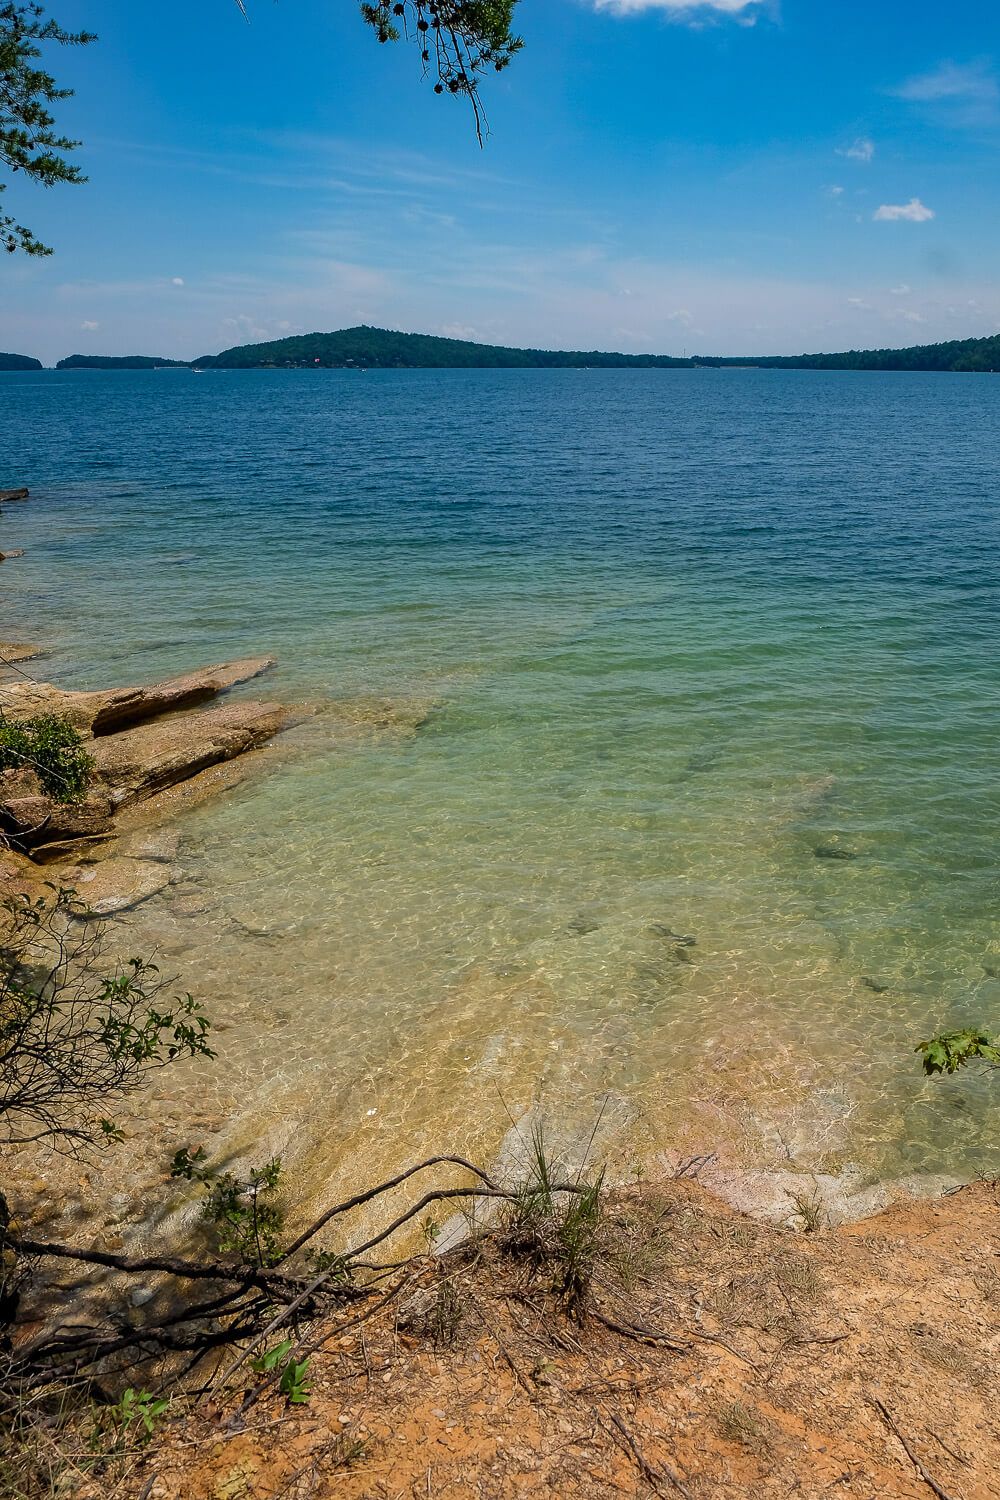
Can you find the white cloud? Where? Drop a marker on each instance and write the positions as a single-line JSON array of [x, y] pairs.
[[457, 330], [958, 93], [89, 327], [744, 10], [861, 149], [177, 281], [951, 81], [914, 211], [835, 191], [902, 290]]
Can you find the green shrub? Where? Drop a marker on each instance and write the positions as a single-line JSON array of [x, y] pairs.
[[245, 1214], [53, 749], [76, 1039]]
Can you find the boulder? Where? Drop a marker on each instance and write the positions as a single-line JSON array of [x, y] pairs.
[[18, 494], [17, 552], [32, 817], [107, 712]]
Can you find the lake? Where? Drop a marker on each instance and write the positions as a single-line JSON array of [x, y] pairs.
[[700, 826]]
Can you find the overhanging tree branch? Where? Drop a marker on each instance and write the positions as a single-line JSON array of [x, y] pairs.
[[29, 142]]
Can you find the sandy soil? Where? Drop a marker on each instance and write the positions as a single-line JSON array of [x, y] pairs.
[[748, 1360]]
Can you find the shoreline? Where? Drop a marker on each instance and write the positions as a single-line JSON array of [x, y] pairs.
[[720, 1357], [126, 854], [755, 1331], [132, 858]]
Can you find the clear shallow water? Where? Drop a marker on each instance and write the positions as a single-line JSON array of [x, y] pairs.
[[682, 629]]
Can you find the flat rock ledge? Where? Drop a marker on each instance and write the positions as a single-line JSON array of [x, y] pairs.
[[143, 741], [114, 709]]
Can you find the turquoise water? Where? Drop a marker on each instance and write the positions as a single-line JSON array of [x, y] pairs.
[[685, 635]]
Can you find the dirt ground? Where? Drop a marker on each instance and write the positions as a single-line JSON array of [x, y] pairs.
[[720, 1357]]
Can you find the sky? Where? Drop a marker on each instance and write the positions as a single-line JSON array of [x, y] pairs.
[[733, 176]]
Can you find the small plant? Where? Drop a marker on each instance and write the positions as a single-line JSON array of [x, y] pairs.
[[577, 1234], [51, 747], [557, 1227], [951, 1050], [446, 1315], [431, 1230], [122, 1425], [810, 1210], [736, 1423], [533, 1200], [328, 1263], [292, 1373], [246, 1216]]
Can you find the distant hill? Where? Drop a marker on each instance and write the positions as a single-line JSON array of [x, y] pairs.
[[959, 355], [119, 362], [19, 362], [381, 349]]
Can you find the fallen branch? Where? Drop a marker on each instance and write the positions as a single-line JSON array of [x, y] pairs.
[[928, 1479], [383, 1187], [652, 1475], [640, 1334], [188, 1270]]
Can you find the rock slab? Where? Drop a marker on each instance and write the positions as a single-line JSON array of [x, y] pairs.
[[109, 711], [143, 741]]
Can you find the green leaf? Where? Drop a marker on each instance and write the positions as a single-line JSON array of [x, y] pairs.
[[273, 1357]]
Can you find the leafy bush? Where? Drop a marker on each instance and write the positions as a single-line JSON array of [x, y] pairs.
[[74, 1038], [53, 749]]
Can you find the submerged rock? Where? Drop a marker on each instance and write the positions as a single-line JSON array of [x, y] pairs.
[[118, 884], [679, 939], [20, 876], [834, 851], [18, 494], [12, 652], [582, 924], [15, 552], [376, 717]]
